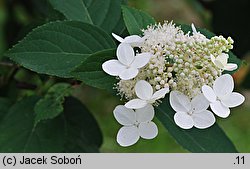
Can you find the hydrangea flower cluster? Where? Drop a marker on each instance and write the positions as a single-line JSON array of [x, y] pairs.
[[164, 60]]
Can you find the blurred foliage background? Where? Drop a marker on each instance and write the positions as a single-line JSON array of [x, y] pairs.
[[226, 17]]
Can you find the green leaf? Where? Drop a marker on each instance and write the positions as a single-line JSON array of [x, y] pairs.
[[18, 135], [75, 10], [210, 140], [232, 58], [136, 20], [105, 14], [57, 48], [83, 132], [51, 105], [90, 70], [5, 104]]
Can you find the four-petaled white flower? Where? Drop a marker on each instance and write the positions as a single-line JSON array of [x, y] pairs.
[[144, 92], [136, 123], [127, 65], [133, 40], [191, 113], [221, 96], [221, 62]]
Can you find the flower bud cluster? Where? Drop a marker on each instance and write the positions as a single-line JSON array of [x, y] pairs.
[[179, 61]]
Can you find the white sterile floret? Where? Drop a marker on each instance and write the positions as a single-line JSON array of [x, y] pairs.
[[191, 113], [144, 92], [136, 123], [127, 65], [221, 62], [133, 40], [221, 96], [193, 29]]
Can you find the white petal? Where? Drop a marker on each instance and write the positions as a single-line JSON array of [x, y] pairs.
[[141, 60], [124, 115], [203, 119], [208, 93], [183, 120], [219, 109], [120, 39], [113, 67], [143, 90], [134, 40], [128, 136], [145, 114], [233, 100], [136, 104], [223, 85], [125, 54], [199, 102], [128, 74], [179, 102], [231, 67], [219, 64], [160, 94], [193, 28], [212, 58], [222, 58], [148, 130]]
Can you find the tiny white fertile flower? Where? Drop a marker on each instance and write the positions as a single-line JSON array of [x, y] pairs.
[[136, 123], [127, 65], [144, 92], [133, 40], [221, 96], [189, 114], [221, 62]]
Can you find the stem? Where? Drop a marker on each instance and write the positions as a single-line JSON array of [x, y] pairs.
[[8, 64]]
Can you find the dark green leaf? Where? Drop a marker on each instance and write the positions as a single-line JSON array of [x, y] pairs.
[[18, 135], [210, 140], [83, 134], [208, 34], [51, 105], [75, 10], [58, 47], [5, 104], [136, 20], [90, 70], [120, 28], [105, 14]]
